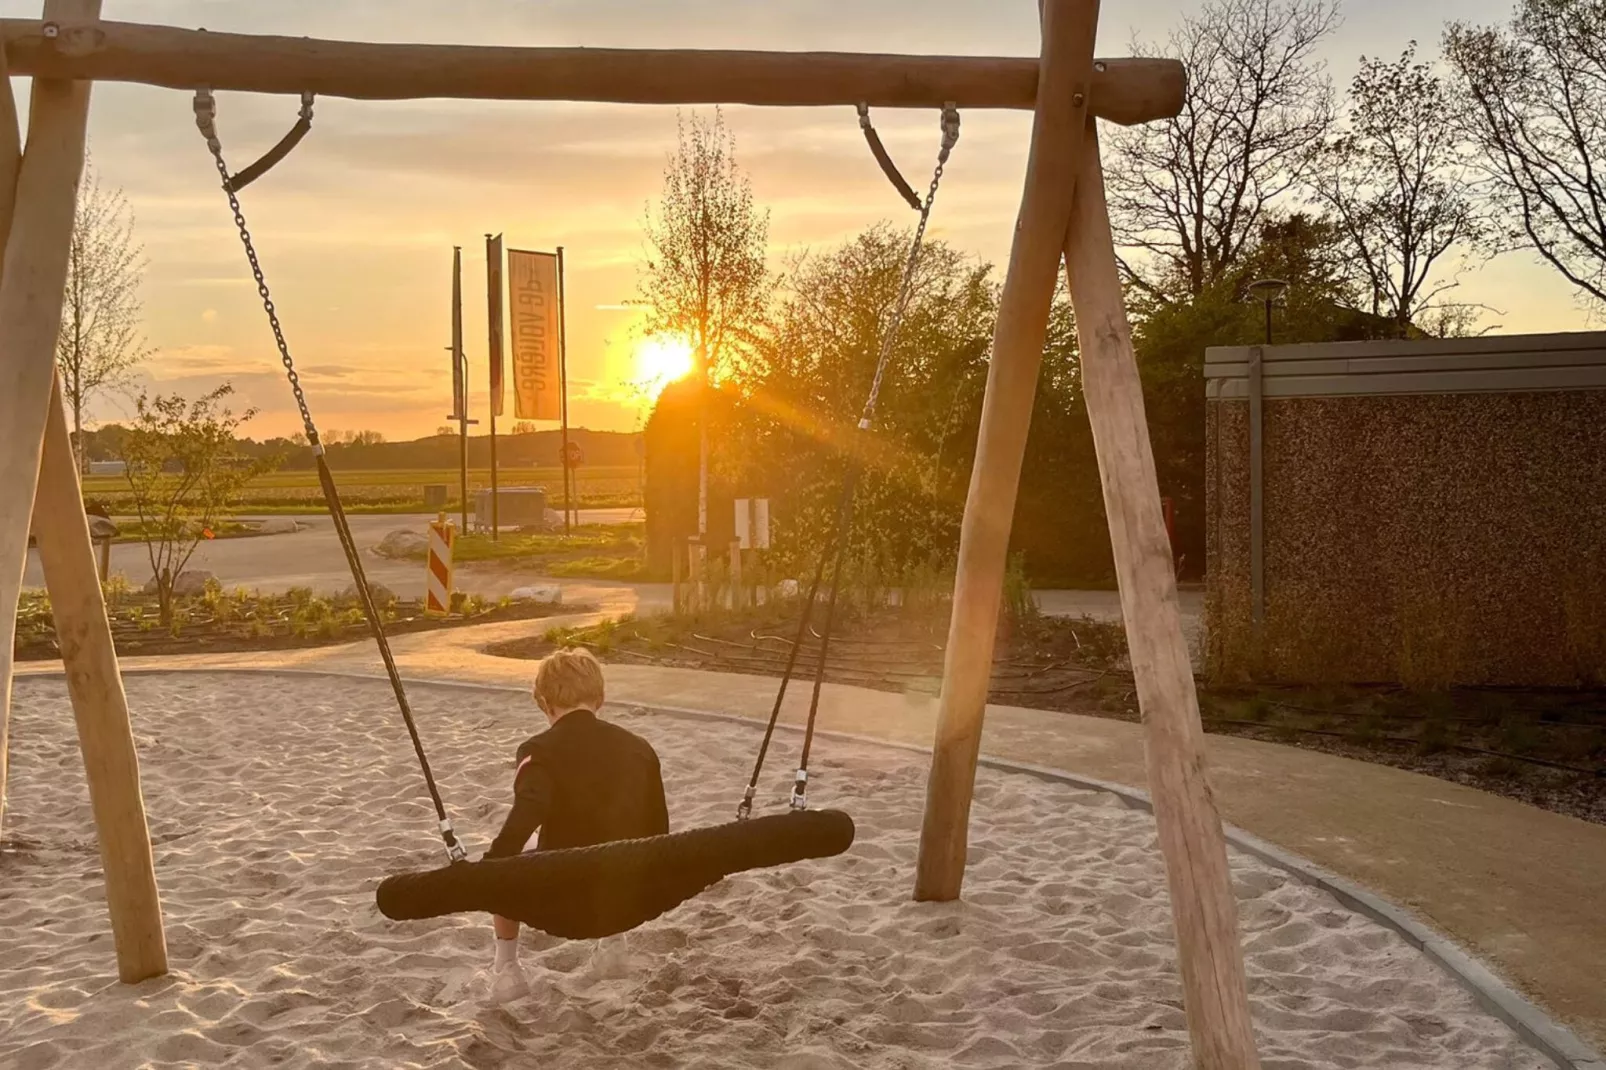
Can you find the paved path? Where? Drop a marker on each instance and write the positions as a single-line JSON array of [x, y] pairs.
[[1518, 886]]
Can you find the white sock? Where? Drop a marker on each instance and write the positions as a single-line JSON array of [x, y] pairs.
[[507, 952]]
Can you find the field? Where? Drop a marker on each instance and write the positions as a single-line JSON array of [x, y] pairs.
[[399, 490]]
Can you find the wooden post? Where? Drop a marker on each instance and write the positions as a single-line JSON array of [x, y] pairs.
[[677, 551], [1202, 903], [737, 596], [40, 215], [1058, 130], [100, 707]]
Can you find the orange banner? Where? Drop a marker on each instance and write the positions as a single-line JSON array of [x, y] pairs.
[[535, 316]]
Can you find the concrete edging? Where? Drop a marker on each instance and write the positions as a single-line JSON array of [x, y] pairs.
[[1533, 1025]]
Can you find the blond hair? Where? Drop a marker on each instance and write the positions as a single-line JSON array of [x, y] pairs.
[[569, 679]]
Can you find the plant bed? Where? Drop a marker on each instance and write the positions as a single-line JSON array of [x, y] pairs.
[[1547, 748], [220, 623]]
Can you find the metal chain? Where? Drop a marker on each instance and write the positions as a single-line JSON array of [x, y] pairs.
[[206, 119], [950, 137]]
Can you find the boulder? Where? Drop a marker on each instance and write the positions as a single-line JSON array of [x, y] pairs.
[[101, 528], [382, 595], [403, 543], [189, 583], [277, 525], [548, 595]]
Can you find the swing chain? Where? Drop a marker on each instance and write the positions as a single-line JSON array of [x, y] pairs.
[[950, 138], [206, 119]]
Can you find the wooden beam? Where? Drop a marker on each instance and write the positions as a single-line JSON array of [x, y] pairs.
[[100, 707], [1124, 91], [1058, 131], [1206, 914]]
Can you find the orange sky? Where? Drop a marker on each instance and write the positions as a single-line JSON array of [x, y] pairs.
[[356, 229]]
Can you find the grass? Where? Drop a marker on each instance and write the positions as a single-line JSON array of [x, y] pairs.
[[134, 531], [400, 490], [593, 551], [518, 546]]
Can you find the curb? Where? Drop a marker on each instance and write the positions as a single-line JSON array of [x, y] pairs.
[[1499, 999]]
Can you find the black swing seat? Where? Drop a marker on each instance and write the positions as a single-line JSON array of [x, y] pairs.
[[585, 893]]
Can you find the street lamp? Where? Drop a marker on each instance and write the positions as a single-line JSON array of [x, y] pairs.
[[1268, 291]]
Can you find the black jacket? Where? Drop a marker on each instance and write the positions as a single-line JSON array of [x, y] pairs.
[[583, 781]]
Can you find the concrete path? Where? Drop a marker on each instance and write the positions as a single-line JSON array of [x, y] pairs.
[[1518, 886]]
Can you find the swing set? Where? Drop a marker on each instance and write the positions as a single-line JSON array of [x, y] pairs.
[[1063, 218]]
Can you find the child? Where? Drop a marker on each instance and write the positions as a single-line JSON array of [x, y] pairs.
[[581, 782]]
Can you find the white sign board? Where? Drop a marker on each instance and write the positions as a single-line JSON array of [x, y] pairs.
[[753, 523]]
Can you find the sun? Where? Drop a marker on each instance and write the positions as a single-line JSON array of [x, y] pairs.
[[661, 359]]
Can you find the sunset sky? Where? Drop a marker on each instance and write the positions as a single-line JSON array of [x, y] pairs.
[[356, 228]]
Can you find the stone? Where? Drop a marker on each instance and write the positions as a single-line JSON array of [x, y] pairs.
[[403, 543], [547, 595], [189, 583], [277, 525], [101, 528], [382, 595]]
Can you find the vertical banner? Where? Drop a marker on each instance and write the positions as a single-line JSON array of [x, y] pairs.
[[459, 386], [493, 304], [532, 283]]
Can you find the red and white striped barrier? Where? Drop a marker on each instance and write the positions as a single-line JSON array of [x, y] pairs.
[[438, 593]]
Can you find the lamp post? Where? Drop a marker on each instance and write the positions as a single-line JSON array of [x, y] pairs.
[[1269, 292]]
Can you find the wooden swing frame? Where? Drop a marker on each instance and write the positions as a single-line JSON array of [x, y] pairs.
[[1063, 217]]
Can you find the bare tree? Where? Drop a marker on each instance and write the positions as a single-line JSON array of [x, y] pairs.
[[100, 341], [1189, 195], [1533, 97], [1394, 182], [705, 279]]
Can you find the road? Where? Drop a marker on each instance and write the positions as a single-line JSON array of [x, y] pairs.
[[312, 558]]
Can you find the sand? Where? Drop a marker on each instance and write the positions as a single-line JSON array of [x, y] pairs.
[[278, 803]]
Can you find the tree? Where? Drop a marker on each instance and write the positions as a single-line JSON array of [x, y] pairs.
[[1532, 98], [523, 427], [705, 278], [1394, 183], [100, 341], [1188, 196], [185, 469], [804, 388]]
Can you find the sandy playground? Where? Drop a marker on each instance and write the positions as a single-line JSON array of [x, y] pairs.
[[278, 803]]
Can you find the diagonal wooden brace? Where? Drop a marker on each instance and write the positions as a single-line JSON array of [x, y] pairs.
[[36, 222]]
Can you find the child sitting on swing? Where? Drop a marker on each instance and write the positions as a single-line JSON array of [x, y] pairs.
[[581, 782]]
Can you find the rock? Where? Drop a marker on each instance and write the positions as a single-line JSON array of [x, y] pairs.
[[189, 583], [403, 543], [382, 595], [548, 595], [277, 525], [101, 528]]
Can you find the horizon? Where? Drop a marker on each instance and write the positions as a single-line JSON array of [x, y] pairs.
[[356, 227]]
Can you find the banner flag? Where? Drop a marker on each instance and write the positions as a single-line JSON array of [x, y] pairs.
[[532, 282]]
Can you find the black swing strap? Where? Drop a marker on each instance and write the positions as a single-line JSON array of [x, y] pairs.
[[836, 550], [205, 119]]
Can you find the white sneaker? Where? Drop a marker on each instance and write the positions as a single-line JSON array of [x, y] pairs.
[[508, 983]]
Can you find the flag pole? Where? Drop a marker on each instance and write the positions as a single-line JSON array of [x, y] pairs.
[[493, 311], [460, 377], [563, 387]]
